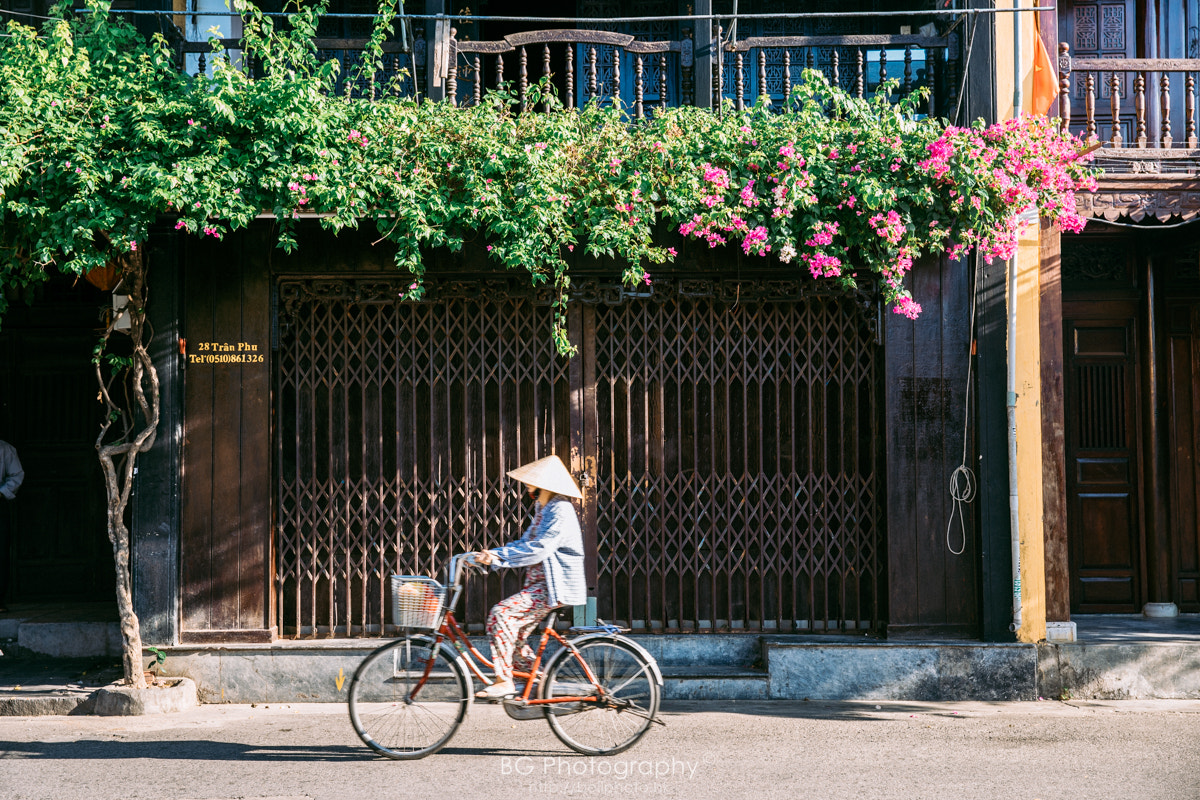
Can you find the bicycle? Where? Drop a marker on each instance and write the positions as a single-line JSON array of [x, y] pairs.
[[600, 691]]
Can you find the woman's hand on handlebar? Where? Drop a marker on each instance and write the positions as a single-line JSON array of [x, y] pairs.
[[484, 557]]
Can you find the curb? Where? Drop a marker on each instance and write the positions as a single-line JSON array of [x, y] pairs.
[[41, 705], [115, 700]]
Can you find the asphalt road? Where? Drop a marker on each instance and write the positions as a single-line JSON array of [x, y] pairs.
[[1139, 750]]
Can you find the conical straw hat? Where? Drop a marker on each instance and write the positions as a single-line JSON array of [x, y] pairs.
[[547, 473]]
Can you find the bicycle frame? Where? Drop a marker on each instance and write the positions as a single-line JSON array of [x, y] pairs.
[[450, 630]]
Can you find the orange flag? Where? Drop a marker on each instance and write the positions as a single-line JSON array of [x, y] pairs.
[[1045, 76]]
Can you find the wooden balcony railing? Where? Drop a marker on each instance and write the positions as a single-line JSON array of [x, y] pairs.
[[1144, 103], [591, 65], [596, 65]]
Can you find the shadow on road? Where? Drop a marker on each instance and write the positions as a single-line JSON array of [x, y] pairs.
[[200, 750], [181, 750], [848, 710]]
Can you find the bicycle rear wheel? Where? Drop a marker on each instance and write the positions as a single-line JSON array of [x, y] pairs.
[[625, 706], [408, 698]]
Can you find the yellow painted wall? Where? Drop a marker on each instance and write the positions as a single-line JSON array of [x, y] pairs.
[[1028, 349], [1029, 441]]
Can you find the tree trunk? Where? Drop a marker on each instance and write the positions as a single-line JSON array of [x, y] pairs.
[[129, 391]]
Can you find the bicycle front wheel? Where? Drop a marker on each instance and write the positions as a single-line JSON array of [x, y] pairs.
[[408, 698], [624, 706]]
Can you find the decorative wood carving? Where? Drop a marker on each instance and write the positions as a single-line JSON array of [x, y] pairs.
[[1095, 261], [1140, 204]]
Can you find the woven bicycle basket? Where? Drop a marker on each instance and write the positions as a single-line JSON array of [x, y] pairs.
[[416, 601]]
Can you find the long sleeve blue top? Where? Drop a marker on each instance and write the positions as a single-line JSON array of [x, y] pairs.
[[554, 540], [11, 474]]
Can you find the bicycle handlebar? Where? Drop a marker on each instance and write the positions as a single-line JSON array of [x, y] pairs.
[[454, 574], [459, 562]]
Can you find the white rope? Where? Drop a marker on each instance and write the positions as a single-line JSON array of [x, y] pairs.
[[963, 484]]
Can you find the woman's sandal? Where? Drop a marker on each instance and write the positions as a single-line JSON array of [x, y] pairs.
[[497, 691]]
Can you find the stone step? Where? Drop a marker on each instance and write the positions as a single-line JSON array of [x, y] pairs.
[[69, 639], [715, 683], [76, 631], [1120, 670]]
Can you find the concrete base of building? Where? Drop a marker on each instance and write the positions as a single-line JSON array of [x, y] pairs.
[[887, 671], [1112, 657], [784, 669], [1119, 671], [82, 630]]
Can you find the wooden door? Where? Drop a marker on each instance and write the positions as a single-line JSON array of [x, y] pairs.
[[48, 411], [1103, 457], [1183, 426]]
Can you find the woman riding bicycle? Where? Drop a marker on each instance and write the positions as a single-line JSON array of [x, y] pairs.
[[552, 550]]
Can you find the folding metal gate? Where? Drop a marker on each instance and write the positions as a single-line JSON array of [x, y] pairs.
[[726, 434]]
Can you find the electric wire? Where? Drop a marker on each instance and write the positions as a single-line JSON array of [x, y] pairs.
[[25, 14], [962, 12]]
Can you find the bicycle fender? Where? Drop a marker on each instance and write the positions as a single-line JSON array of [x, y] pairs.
[[593, 637]]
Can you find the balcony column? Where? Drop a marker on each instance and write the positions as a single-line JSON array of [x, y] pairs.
[[704, 55], [437, 33], [198, 23]]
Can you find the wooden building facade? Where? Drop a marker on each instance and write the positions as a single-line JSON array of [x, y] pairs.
[[1120, 370], [757, 455]]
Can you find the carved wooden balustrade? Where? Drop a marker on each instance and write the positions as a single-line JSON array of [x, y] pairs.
[[603, 65], [586, 65], [1148, 83], [1142, 113]]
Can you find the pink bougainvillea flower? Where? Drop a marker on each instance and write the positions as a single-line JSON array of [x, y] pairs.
[[907, 307]]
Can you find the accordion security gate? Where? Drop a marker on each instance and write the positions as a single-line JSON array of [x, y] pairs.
[[394, 426], [737, 459], [727, 436]]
